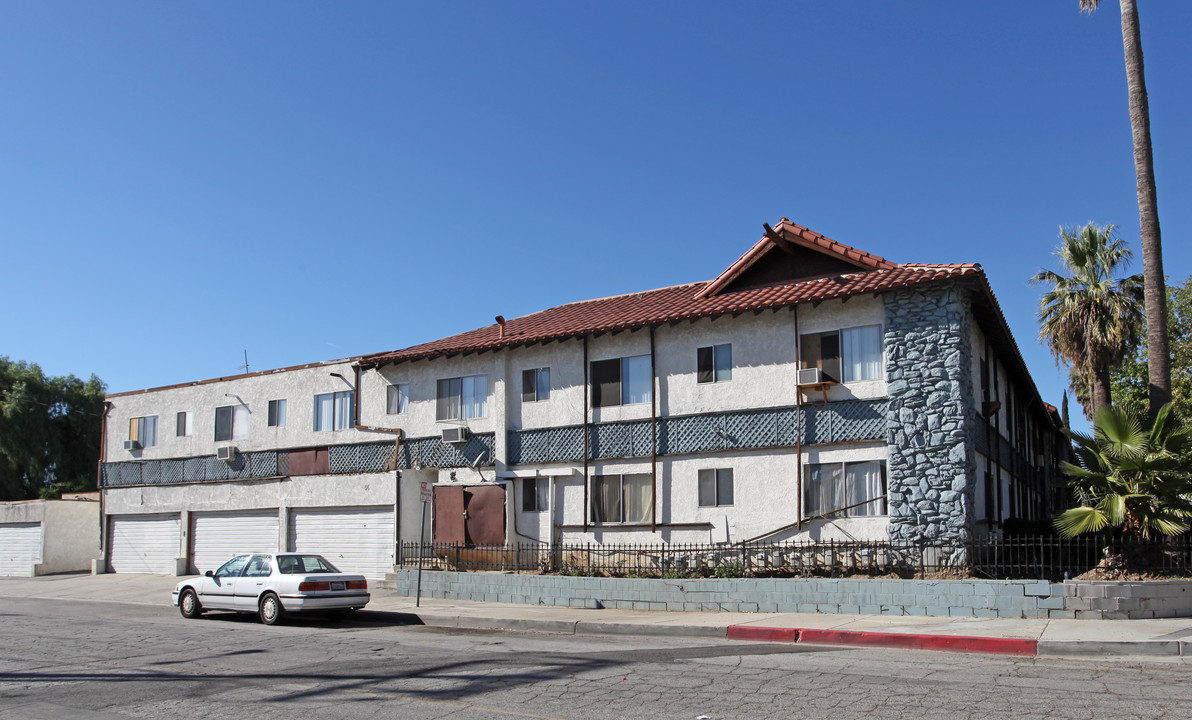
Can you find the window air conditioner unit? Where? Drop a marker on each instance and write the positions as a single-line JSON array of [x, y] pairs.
[[226, 453], [814, 376], [132, 445], [455, 435]]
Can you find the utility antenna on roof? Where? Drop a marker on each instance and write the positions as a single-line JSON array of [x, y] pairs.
[[244, 367]]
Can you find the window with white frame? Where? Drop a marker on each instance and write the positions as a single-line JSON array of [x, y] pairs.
[[535, 384], [535, 494], [231, 422], [622, 381], [143, 430], [462, 398], [277, 413], [846, 355], [716, 487], [397, 399], [333, 411], [849, 489], [714, 363], [622, 499], [185, 424]]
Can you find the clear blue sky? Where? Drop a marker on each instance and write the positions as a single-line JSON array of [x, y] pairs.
[[180, 182]]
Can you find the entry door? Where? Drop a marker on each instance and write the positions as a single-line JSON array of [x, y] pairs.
[[473, 515]]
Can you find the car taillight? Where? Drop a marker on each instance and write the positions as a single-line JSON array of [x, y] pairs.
[[357, 584], [313, 586]]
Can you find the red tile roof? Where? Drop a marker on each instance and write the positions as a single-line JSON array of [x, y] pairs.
[[681, 302], [798, 235]]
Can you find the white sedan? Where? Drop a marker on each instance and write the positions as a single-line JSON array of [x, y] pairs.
[[272, 585]]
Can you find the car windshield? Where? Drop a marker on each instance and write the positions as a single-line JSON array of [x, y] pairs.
[[304, 564]]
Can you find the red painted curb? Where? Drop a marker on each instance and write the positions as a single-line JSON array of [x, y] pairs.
[[952, 643], [762, 634]]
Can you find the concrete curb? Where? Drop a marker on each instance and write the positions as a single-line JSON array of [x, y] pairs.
[[1110, 648], [816, 636], [614, 628], [908, 641]]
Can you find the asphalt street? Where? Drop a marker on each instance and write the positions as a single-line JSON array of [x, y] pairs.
[[88, 660]]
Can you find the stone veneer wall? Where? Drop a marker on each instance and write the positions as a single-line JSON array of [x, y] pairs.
[[939, 598], [932, 465]]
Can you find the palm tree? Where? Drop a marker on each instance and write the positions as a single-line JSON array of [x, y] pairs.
[[1158, 350], [1130, 476], [1089, 319]]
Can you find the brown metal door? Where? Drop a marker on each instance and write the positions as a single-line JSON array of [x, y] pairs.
[[448, 525], [484, 515], [470, 516]]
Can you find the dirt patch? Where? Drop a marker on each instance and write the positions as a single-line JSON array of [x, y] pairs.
[[1126, 568]]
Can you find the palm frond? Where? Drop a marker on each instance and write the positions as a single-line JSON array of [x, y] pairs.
[[1079, 520]]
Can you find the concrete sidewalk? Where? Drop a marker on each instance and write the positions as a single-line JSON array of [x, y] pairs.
[[1170, 638]]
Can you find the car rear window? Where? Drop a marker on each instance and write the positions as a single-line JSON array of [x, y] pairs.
[[304, 565]]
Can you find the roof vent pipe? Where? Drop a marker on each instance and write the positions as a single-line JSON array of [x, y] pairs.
[[501, 332]]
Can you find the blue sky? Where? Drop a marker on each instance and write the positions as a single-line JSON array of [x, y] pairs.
[[181, 182]]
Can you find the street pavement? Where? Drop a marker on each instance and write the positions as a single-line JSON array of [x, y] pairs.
[[1166, 638]]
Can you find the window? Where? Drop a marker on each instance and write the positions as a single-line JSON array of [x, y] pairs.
[[259, 566], [715, 487], [231, 422], [535, 495], [232, 567], [277, 413], [462, 398], [622, 381], [714, 364], [397, 399], [856, 489], [535, 384], [185, 424], [143, 430], [622, 499], [845, 355], [333, 411]]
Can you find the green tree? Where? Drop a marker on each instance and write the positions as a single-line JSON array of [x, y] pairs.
[[49, 432], [1129, 382], [1130, 475], [1158, 368], [1090, 318]]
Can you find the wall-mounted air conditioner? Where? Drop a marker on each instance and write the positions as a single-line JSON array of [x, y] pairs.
[[455, 435], [814, 376], [227, 453], [131, 445]]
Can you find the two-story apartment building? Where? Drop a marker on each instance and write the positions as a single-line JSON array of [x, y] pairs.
[[812, 390]]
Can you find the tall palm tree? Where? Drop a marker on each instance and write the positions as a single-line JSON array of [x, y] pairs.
[[1158, 349], [1090, 318]]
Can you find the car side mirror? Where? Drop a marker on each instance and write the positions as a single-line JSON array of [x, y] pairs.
[[210, 573]]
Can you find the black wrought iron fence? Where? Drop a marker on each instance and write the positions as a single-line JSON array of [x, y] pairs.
[[1032, 557]]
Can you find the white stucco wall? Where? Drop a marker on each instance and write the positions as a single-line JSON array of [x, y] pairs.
[[297, 492], [298, 387], [70, 540]]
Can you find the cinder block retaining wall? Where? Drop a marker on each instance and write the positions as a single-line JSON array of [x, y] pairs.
[[944, 598]]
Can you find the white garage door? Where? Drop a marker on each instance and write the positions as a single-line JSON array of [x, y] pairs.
[[354, 539], [20, 548], [144, 544], [215, 537]]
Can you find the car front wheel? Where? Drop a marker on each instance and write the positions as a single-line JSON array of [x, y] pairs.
[[188, 604], [270, 609]]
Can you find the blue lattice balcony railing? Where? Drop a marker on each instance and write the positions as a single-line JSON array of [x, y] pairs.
[[710, 432]]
